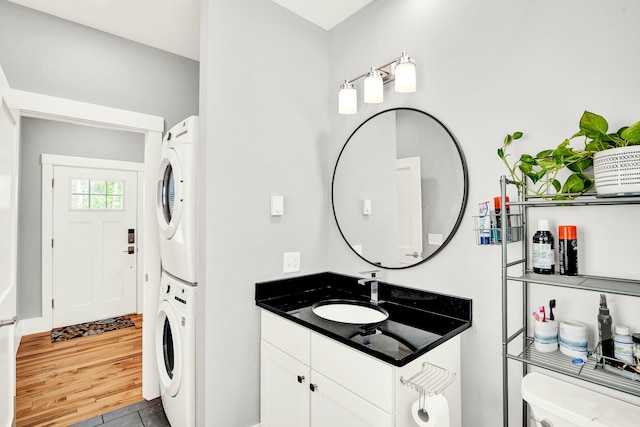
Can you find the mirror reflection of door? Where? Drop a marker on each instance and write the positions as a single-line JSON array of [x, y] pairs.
[[409, 184]]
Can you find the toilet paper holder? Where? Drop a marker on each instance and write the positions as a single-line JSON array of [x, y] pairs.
[[431, 380]]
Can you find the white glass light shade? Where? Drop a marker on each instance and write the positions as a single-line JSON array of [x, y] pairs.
[[347, 99], [373, 93], [405, 74]]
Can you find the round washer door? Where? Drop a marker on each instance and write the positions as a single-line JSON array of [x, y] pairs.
[[170, 194], [168, 349]]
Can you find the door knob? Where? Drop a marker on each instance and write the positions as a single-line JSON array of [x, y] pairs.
[[313, 387], [415, 254], [300, 379]]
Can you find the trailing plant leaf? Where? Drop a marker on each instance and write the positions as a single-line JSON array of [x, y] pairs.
[[543, 154], [593, 125], [631, 134], [573, 184]]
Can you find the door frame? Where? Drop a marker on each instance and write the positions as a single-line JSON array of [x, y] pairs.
[[48, 162], [9, 337], [47, 107]]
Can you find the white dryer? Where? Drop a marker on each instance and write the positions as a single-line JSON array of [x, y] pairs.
[[175, 200], [176, 350]]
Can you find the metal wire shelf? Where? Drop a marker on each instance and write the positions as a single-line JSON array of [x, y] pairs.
[[590, 371], [431, 380]]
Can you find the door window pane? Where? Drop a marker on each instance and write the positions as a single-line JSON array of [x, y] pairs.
[[114, 187], [79, 201], [114, 202], [98, 194]]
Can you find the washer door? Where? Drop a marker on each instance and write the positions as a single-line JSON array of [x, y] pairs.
[[170, 194], [168, 349]]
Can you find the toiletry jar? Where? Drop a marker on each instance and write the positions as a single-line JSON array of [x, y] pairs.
[[573, 339], [545, 336]]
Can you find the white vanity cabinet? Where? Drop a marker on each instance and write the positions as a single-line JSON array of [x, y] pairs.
[[284, 389], [308, 379]]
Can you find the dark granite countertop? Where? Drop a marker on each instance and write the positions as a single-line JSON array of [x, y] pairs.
[[418, 320]]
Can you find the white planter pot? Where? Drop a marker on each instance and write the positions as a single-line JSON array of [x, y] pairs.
[[617, 171]]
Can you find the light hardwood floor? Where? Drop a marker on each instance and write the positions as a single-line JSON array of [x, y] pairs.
[[59, 384]]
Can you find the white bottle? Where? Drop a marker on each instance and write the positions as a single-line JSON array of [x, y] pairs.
[[623, 345]]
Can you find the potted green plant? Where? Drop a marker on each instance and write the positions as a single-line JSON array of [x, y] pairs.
[[543, 175], [616, 156]]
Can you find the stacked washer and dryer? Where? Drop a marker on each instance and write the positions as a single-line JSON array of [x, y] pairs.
[[175, 328]]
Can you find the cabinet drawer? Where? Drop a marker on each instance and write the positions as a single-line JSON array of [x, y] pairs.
[[284, 334], [367, 377]]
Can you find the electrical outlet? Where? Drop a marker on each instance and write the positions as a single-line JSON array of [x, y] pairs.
[[434, 239], [291, 262]]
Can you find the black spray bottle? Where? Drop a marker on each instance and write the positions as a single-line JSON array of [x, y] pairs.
[[605, 323]]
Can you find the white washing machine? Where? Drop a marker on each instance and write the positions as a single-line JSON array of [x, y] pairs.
[[176, 350], [175, 200]]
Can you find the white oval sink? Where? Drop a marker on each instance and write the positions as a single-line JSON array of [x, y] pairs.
[[350, 312]]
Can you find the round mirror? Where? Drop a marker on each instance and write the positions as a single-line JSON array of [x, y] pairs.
[[399, 188]]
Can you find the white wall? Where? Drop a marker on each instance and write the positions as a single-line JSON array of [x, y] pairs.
[[488, 68], [48, 55], [264, 114]]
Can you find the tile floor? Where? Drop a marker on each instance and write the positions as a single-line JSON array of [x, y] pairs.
[[140, 414]]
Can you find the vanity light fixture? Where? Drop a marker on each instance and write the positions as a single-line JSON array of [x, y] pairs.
[[373, 93], [402, 70], [405, 74], [347, 98]]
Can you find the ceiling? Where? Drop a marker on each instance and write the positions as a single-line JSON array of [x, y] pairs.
[[173, 25]]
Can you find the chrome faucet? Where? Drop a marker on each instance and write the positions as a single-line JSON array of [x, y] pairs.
[[373, 281]]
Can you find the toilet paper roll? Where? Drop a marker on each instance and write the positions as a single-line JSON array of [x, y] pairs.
[[437, 412]]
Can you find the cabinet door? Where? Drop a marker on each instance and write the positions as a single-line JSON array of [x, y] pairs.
[[332, 405], [284, 389]]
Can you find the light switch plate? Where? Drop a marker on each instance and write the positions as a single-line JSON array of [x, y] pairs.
[[366, 207], [291, 262], [277, 205]]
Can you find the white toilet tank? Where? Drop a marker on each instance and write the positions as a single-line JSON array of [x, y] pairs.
[[562, 404]]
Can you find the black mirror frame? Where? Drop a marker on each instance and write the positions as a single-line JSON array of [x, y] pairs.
[[465, 195]]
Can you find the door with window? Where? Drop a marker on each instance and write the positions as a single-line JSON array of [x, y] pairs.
[[94, 244]]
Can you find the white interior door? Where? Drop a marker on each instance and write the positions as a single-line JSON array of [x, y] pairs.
[[8, 253], [409, 210], [94, 244]]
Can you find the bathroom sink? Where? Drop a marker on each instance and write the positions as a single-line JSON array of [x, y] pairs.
[[348, 311]]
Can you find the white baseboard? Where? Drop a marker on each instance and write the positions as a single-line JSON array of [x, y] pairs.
[[34, 325]]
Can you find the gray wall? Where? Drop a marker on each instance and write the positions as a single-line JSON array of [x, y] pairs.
[[487, 69], [265, 122], [48, 55], [44, 54], [43, 136]]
